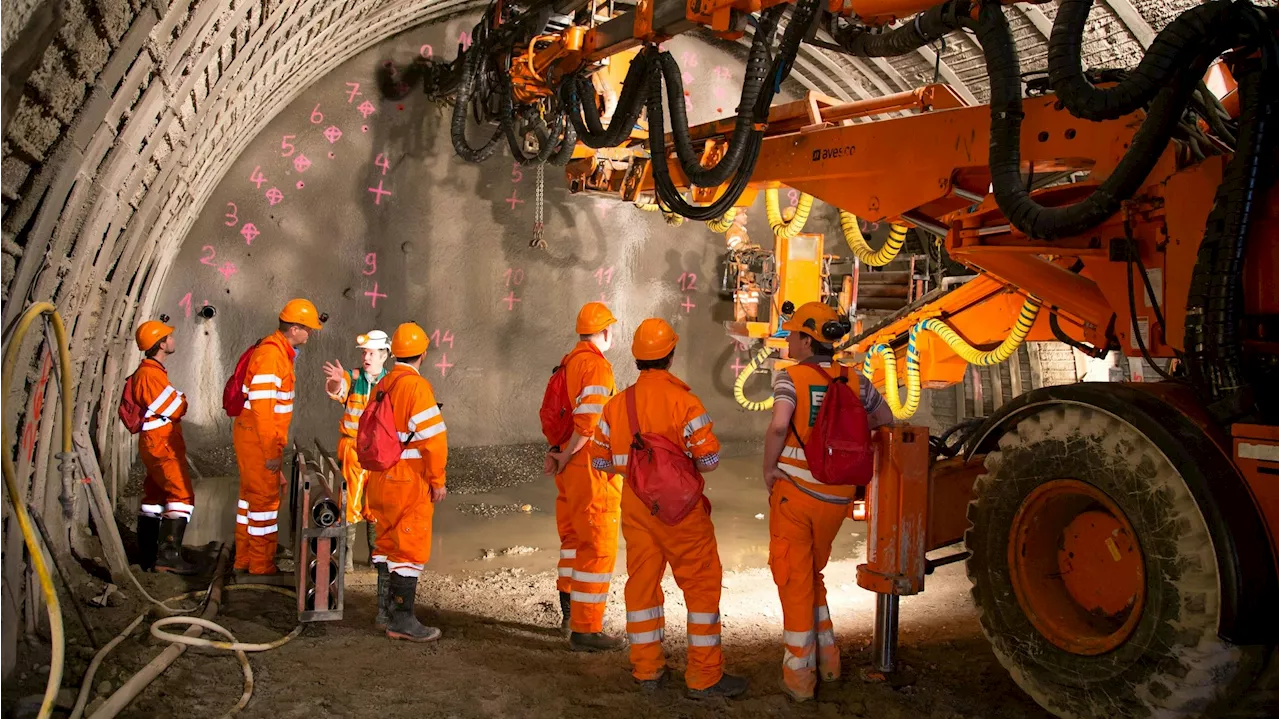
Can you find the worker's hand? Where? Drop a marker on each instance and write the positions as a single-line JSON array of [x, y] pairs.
[[561, 460], [273, 465], [771, 476], [549, 465], [334, 376], [437, 494]]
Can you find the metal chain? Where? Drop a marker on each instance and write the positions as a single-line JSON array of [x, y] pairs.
[[539, 196]]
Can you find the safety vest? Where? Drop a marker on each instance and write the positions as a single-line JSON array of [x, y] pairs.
[[358, 386], [811, 386], [164, 403]]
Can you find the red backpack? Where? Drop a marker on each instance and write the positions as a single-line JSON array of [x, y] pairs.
[[839, 450], [233, 396], [660, 473], [556, 414], [378, 445], [131, 413]]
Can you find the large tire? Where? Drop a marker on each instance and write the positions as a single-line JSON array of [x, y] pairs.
[[1172, 663]]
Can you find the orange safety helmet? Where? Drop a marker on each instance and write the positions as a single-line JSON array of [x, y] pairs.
[[302, 312], [409, 340], [812, 318], [654, 340], [594, 317], [150, 333]]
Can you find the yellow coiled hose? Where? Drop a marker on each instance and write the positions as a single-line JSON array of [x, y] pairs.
[[672, 218], [858, 244], [787, 230], [966, 351], [56, 637], [739, 385], [724, 222]]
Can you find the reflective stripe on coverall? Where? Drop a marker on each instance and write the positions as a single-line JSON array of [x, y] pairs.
[[166, 491], [588, 501], [804, 518], [399, 499], [354, 396], [260, 433], [666, 406]]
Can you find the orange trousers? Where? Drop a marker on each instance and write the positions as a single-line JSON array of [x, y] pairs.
[[257, 528], [690, 548], [801, 530], [166, 490], [588, 508], [400, 503], [356, 477]]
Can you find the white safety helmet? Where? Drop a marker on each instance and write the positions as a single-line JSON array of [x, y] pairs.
[[374, 340]]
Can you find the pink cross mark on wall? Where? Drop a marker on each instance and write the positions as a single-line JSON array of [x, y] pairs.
[[332, 134], [444, 364], [737, 366], [373, 296], [513, 201], [378, 192], [301, 163], [227, 269], [274, 196], [249, 232], [687, 304], [366, 109], [511, 300]]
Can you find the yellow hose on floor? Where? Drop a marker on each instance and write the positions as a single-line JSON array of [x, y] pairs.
[[739, 385], [724, 222], [787, 230], [967, 352], [56, 636], [858, 244]]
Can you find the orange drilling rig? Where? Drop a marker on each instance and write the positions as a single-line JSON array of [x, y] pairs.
[[1121, 538]]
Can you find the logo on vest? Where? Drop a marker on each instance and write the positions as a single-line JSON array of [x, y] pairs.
[[816, 393]]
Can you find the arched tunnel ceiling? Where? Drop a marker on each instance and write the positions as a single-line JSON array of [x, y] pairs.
[[123, 115]]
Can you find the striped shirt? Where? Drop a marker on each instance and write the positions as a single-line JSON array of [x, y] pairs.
[[784, 388]]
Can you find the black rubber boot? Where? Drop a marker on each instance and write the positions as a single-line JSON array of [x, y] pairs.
[[371, 534], [170, 557], [728, 687], [351, 546], [595, 642], [652, 686], [565, 612], [403, 624], [148, 542], [384, 578]]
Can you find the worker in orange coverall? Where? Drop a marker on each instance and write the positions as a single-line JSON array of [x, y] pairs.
[[167, 496], [588, 501], [402, 499], [261, 431], [804, 514], [665, 406], [352, 389]]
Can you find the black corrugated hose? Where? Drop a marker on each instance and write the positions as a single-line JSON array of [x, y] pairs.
[[472, 65], [1214, 304], [578, 97], [925, 28]]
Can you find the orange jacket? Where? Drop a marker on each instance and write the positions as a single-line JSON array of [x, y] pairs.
[[808, 384], [269, 386], [665, 406], [354, 396], [589, 377], [151, 389], [419, 424]]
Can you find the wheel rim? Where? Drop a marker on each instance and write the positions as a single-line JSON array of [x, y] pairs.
[[1076, 567]]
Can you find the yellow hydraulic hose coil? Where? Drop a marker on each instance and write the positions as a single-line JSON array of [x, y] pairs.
[[724, 222], [739, 385], [36, 552], [858, 244], [903, 410], [787, 230]]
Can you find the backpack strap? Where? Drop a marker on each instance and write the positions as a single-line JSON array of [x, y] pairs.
[[842, 375], [633, 416]]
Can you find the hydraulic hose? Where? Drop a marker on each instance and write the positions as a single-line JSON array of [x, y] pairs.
[[472, 64], [924, 29], [1011, 193], [739, 384], [34, 551], [579, 100], [724, 222], [786, 230], [858, 244], [967, 352]]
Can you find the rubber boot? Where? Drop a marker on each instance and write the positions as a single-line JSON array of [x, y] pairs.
[[384, 577], [170, 556], [371, 534], [595, 642], [403, 624], [565, 605], [149, 542], [728, 687], [652, 686], [351, 547]]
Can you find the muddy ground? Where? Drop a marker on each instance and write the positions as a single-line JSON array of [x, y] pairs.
[[502, 655]]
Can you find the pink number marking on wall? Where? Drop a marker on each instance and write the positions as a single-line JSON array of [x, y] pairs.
[[378, 192], [688, 282], [381, 161], [721, 73], [604, 275], [439, 340], [516, 174], [232, 216], [208, 259], [185, 304], [374, 295], [688, 59], [793, 196], [514, 276], [370, 263], [257, 178], [464, 39], [355, 92], [317, 117], [286, 145]]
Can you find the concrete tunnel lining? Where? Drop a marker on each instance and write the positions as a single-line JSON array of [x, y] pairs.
[[135, 113]]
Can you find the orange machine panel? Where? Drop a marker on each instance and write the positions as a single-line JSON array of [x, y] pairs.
[[1255, 450]]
